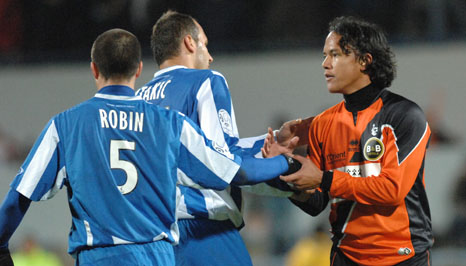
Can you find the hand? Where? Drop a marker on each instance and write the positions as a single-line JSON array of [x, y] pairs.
[[272, 148], [307, 178], [5, 258], [292, 128], [300, 196]]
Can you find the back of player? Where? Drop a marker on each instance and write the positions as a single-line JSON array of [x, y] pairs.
[[203, 96], [207, 218], [120, 158], [106, 150]]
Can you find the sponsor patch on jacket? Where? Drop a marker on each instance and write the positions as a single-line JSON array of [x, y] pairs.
[[373, 149]]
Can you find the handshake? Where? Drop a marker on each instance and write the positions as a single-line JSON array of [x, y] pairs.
[[292, 134]]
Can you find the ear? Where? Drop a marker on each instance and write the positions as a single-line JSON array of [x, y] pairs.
[[95, 70], [138, 72], [365, 60], [189, 43]]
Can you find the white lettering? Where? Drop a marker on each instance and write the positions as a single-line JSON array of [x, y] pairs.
[[103, 118], [146, 95], [140, 91], [122, 120], [162, 91], [139, 122], [130, 120], [113, 118], [154, 91]]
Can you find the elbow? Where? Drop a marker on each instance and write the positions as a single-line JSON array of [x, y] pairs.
[[240, 179], [394, 195]]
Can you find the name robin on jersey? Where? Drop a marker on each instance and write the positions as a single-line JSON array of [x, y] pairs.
[[121, 120]]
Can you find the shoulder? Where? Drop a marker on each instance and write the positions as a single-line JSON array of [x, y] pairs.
[[399, 108], [200, 73], [75, 110], [328, 113]]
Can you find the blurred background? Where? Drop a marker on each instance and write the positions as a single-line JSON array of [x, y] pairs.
[[270, 53]]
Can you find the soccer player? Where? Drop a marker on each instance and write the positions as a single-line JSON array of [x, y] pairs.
[[366, 156], [120, 159], [208, 219]]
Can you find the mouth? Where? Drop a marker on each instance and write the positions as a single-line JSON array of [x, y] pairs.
[[328, 77]]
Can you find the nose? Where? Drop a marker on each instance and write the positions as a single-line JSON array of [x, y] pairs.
[[325, 63], [211, 59]]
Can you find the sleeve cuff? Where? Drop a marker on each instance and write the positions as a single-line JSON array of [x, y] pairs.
[[327, 179]]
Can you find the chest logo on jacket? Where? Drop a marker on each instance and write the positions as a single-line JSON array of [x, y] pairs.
[[373, 149]]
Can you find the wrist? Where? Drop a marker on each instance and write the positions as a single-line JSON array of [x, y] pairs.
[[293, 165], [327, 178]]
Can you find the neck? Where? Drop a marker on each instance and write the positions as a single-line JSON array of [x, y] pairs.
[[362, 98], [104, 83], [177, 61]]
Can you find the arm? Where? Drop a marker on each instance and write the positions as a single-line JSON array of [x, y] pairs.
[[200, 163], [313, 203], [37, 180], [397, 176], [216, 113], [405, 139], [254, 171], [275, 187], [12, 211]]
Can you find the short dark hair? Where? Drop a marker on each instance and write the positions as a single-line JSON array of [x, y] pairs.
[[362, 37], [168, 32], [117, 54]]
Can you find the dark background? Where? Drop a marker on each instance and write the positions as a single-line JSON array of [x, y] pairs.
[[63, 30]]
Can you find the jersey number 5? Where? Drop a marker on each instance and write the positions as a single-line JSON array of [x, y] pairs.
[[128, 167]]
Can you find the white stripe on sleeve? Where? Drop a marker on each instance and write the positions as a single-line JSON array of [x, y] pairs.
[[39, 162], [57, 186], [220, 165]]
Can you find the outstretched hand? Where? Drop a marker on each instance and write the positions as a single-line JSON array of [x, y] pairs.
[[307, 178], [292, 128], [272, 148]]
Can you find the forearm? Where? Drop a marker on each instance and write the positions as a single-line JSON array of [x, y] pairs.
[[314, 205], [254, 171], [12, 212]]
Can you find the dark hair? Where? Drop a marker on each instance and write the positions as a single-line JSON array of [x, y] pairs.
[[363, 38], [168, 32], [117, 54]]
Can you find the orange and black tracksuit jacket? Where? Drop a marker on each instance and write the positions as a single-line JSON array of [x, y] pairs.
[[372, 149]]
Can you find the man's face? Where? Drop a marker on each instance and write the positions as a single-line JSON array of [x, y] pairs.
[[203, 58], [342, 71]]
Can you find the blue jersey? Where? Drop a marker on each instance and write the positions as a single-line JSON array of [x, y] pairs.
[[203, 96], [121, 158]]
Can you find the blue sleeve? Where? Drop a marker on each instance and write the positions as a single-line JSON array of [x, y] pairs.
[[42, 173], [215, 111], [12, 212], [200, 163], [254, 170]]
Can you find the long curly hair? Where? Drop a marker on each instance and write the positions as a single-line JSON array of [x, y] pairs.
[[362, 38]]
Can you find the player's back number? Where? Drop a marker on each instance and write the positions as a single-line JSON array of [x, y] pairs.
[[128, 167]]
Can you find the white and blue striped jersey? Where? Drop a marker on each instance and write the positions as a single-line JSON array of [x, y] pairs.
[[204, 96], [120, 159]]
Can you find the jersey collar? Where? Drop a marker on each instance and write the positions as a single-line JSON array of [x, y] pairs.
[[363, 98], [165, 70], [117, 92]]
